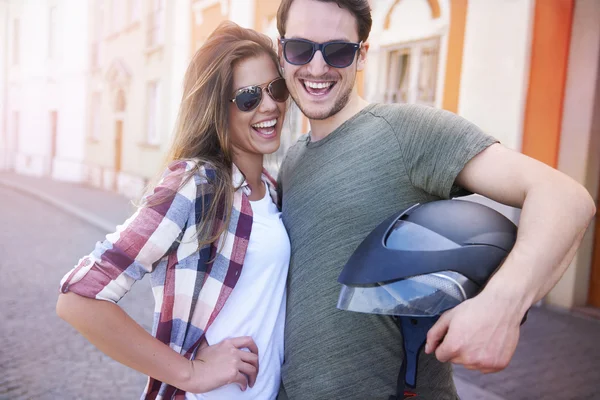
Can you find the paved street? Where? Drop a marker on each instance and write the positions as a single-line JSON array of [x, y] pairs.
[[41, 357], [558, 357]]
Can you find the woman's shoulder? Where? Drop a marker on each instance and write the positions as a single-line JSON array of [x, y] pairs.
[[202, 171], [185, 177]]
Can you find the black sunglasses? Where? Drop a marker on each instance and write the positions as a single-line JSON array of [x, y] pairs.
[[336, 54], [249, 97]]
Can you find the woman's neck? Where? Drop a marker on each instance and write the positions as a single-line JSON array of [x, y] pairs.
[[251, 165]]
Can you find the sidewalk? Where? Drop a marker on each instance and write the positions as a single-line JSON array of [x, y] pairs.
[[558, 356], [102, 209]]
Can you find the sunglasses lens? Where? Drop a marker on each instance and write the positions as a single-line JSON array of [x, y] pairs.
[[279, 90], [339, 55], [298, 52], [248, 99]]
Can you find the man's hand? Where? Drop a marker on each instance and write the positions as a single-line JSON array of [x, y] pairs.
[[481, 333], [224, 363]]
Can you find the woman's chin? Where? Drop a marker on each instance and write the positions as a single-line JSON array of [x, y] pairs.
[[272, 150]]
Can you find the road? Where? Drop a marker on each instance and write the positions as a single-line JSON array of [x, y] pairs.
[[41, 356]]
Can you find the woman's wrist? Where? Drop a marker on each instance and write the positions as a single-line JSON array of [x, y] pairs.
[[184, 375]]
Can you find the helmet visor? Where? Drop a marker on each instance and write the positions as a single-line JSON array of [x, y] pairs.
[[423, 295]]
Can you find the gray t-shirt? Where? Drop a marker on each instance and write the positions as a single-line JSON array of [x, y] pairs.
[[334, 192]]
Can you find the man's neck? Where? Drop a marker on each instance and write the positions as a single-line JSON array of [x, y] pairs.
[[320, 129]]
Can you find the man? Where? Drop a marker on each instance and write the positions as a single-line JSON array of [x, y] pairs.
[[361, 163]]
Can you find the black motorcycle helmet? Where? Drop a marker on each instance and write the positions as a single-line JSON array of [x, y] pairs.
[[421, 262], [426, 259]]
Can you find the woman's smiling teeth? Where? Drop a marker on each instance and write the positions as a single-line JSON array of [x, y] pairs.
[[317, 88], [266, 128], [265, 124]]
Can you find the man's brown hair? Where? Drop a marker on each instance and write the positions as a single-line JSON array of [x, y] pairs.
[[359, 8]]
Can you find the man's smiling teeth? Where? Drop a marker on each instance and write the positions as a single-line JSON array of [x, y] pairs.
[[265, 124], [318, 85]]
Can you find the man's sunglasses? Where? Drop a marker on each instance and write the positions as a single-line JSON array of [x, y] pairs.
[[249, 97], [337, 54]]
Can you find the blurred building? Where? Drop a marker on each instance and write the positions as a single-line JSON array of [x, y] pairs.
[[4, 43], [43, 87], [138, 53]]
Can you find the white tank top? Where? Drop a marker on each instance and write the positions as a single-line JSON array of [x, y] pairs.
[[256, 306]]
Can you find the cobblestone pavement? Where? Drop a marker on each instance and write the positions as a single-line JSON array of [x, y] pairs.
[[558, 357], [41, 356]]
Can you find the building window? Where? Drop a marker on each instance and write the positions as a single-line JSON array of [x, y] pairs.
[[16, 42], [135, 10], [117, 17], [156, 23], [52, 33], [411, 75], [96, 121], [95, 56], [153, 117], [397, 76], [111, 19], [96, 47]]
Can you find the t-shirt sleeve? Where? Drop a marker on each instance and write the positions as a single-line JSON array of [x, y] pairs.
[[435, 146]]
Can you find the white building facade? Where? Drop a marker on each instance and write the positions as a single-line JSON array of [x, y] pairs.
[[45, 92]]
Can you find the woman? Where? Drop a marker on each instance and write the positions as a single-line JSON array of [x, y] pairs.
[[211, 237]]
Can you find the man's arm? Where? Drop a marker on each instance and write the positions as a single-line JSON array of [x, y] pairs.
[[482, 333]]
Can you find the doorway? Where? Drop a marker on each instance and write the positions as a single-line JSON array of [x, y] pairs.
[[120, 105], [118, 151]]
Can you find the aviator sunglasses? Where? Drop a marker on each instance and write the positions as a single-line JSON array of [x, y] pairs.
[[249, 97], [337, 54]]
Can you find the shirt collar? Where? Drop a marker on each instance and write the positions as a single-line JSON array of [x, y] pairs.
[[239, 181]]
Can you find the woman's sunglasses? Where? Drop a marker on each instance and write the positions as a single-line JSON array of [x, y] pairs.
[[337, 54], [249, 97]]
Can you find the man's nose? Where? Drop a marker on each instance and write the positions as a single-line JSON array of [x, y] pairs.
[[317, 66]]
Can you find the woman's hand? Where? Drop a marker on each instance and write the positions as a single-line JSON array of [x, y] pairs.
[[224, 363]]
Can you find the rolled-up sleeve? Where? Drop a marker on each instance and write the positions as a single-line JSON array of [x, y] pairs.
[[137, 245]]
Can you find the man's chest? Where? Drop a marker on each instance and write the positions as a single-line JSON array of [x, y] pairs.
[[347, 193]]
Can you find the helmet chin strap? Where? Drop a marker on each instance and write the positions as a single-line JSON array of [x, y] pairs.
[[414, 335]]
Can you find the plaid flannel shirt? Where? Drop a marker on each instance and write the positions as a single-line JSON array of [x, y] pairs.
[[189, 290]]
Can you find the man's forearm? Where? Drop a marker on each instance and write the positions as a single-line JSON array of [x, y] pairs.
[[553, 221]]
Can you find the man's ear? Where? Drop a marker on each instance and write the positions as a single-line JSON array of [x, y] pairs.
[[362, 56]]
